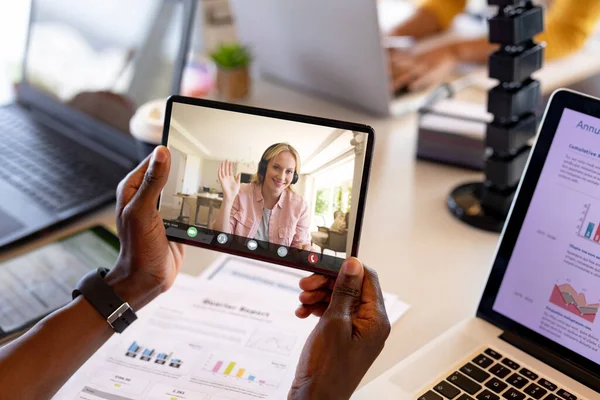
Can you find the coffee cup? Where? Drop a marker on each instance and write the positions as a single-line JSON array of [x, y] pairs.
[[146, 126]]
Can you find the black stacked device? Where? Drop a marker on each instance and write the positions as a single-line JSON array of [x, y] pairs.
[[486, 204]]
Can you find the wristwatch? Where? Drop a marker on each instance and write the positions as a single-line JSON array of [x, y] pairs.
[[103, 298]]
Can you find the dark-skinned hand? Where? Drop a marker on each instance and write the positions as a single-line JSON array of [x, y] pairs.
[[349, 336], [148, 263]]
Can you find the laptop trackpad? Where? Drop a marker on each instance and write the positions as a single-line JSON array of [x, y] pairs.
[[8, 224]]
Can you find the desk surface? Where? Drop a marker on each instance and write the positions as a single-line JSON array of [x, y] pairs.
[[421, 253], [419, 250]]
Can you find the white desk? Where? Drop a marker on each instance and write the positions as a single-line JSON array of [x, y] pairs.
[[432, 261]]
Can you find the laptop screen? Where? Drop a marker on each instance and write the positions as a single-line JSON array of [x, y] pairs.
[[552, 281], [105, 58]]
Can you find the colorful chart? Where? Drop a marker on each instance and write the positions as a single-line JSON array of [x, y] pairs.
[[149, 354], [589, 224], [567, 298], [244, 368]]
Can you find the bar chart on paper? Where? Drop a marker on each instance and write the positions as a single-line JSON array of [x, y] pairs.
[[151, 355], [245, 369], [589, 223]]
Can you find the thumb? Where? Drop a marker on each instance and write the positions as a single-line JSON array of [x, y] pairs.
[[348, 288], [155, 177], [238, 178]]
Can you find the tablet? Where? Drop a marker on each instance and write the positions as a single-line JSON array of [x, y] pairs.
[[268, 185], [41, 281]]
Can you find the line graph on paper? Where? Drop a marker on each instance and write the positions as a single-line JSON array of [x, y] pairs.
[[272, 342]]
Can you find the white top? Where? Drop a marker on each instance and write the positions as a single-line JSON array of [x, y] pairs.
[[263, 229]]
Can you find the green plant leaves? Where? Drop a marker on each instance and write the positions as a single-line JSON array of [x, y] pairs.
[[232, 55]]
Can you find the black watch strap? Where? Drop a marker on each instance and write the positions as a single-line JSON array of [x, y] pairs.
[[103, 298]]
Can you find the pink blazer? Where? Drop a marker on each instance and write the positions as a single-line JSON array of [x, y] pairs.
[[289, 222]]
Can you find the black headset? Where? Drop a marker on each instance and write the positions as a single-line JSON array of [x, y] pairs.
[[262, 165]]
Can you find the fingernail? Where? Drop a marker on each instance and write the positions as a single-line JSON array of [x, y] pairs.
[[159, 155], [352, 267]]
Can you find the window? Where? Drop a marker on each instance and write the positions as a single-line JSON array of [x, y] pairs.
[[333, 192]]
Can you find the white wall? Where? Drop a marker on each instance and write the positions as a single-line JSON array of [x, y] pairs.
[[210, 174], [175, 182], [191, 179], [306, 188], [248, 168]]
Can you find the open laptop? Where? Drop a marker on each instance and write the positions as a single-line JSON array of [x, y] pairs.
[[308, 45], [65, 143], [537, 330]]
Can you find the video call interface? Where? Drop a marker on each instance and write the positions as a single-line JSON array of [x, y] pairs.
[[266, 187]]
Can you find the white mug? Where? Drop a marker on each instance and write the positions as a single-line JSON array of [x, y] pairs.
[[146, 126]]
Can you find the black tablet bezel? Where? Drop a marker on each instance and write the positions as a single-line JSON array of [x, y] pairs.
[[350, 126], [560, 100]]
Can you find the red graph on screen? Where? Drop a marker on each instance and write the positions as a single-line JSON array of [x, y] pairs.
[[567, 298]]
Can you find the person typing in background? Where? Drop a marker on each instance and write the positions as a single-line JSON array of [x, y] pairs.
[[568, 25]]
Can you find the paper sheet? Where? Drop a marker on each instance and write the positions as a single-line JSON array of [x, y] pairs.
[[199, 340], [220, 336], [274, 280]]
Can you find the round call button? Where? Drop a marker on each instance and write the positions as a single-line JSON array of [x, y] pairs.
[[313, 258], [282, 251], [222, 238]]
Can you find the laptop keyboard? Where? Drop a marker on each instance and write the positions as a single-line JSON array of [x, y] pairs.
[[490, 376], [56, 172]]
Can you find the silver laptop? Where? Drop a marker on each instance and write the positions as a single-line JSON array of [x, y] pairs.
[[330, 48], [537, 330], [65, 142]]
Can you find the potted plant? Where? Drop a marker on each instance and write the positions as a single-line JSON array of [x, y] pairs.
[[233, 76]]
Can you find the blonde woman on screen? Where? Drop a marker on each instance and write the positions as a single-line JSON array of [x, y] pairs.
[[267, 209]]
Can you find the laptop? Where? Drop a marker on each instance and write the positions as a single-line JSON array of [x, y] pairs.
[[65, 142], [536, 334], [333, 49]]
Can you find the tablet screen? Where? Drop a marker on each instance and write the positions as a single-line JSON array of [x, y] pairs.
[[263, 186], [41, 281]]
